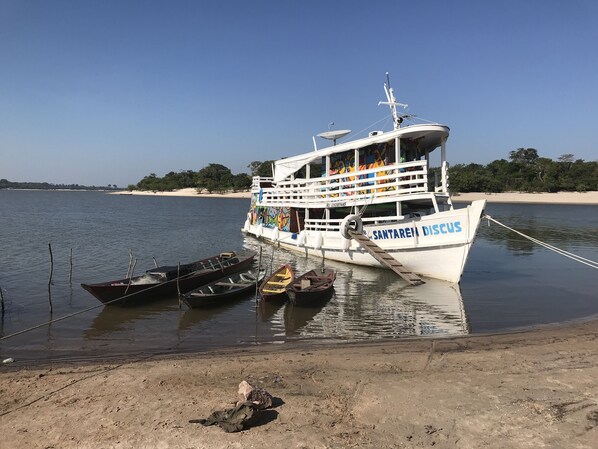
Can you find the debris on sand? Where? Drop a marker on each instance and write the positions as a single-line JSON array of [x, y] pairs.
[[260, 397], [252, 399]]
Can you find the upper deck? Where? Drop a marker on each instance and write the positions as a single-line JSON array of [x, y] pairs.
[[385, 167], [415, 139]]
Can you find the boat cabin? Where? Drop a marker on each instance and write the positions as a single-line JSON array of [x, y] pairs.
[[385, 176]]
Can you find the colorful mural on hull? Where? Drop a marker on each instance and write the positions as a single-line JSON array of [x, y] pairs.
[[270, 217]]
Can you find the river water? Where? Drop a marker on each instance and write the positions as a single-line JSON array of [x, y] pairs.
[[508, 282]]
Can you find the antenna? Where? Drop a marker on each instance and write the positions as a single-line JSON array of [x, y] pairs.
[[333, 135], [392, 103]]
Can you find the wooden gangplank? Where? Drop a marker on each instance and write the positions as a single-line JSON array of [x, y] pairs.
[[386, 259]]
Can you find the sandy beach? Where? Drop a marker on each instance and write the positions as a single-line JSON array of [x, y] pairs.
[[590, 198], [190, 192], [531, 389]]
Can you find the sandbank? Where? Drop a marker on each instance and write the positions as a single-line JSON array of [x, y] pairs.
[[190, 192], [533, 388], [589, 198]]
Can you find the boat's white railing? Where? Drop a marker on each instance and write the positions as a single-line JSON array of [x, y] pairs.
[[322, 225], [441, 183], [334, 225], [259, 181], [348, 188]]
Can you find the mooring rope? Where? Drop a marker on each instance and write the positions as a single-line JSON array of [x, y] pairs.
[[590, 263], [47, 323], [367, 204]]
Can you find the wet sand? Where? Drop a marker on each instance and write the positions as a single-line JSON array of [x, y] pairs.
[[533, 388]]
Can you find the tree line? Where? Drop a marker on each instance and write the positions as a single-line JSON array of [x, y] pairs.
[[215, 178], [525, 171], [6, 184]]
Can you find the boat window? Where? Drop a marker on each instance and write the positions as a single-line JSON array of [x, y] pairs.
[[340, 213], [376, 155], [301, 173], [380, 210], [411, 150], [417, 210], [342, 162]]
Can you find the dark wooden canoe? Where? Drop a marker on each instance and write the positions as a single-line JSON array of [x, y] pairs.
[[162, 282], [274, 288], [227, 288], [312, 287]]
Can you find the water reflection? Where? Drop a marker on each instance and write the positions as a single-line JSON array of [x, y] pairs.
[[567, 226], [296, 318], [194, 318], [267, 309], [367, 303], [115, 318]]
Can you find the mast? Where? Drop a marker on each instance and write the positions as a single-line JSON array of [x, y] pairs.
[[392, 103]]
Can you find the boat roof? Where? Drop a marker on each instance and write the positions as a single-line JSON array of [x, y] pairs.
[[429, 137]]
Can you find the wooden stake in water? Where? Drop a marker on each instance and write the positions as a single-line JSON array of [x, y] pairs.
[[178, 287], [50, 278], [272, 261], [131, 276], [130, 262], [257, 275], [2, 300], [71, 268]]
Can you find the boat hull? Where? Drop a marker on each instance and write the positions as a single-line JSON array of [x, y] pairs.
[[224, 289], [121, 293], [198, 302], [319, 288], [435, 246], [274, 289]]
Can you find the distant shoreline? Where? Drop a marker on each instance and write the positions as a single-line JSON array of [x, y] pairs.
[[587, 198], [62, 190], [190, 192]]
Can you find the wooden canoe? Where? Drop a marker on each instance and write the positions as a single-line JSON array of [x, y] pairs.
[[312, 287], [274, 288], [162, 282], [227, 288]]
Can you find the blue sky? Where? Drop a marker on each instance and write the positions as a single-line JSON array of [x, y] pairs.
[[106, 92]]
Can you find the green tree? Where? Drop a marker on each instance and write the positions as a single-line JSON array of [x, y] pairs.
[[524, 156], [472, 178], [242, 181], [566, 157], [214, 178], [263, 169], [253, 167], [150, 182]]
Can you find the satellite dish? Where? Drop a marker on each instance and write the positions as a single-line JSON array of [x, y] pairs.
[[333, 135]]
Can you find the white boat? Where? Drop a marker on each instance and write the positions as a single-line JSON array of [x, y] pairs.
[[315, 199]]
